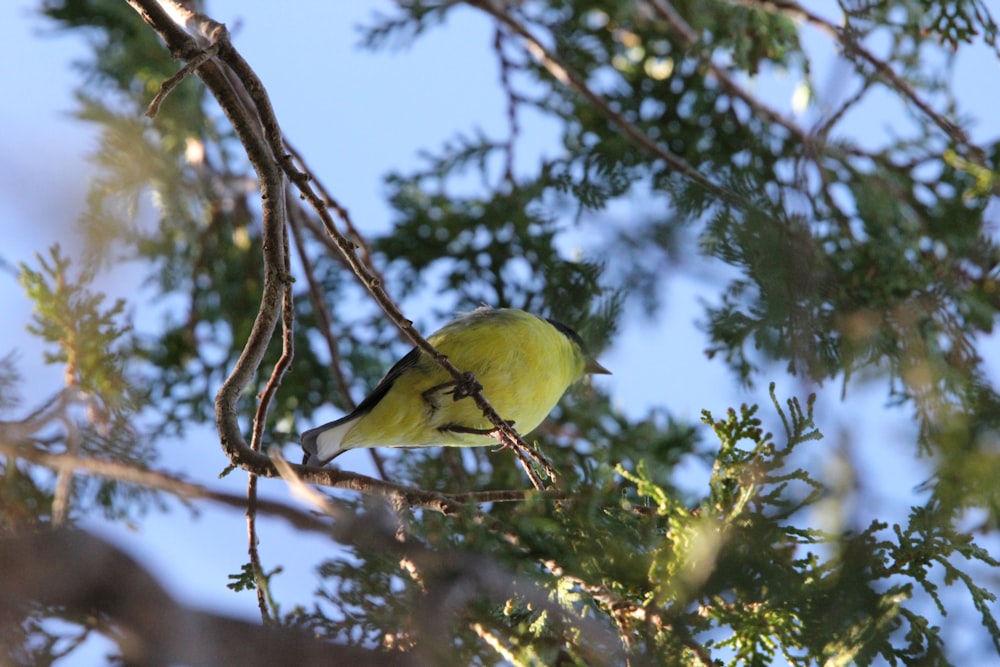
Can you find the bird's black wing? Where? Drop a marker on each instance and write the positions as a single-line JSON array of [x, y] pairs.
[[308, 438], [385, 384]]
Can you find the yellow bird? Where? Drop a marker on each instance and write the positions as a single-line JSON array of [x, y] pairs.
[[523, 362]]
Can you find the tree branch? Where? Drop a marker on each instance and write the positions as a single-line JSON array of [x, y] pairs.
[[80, 573], [566, 75], [689, 38], [298, 218], [413, 497], [882, 69], [258, 130]]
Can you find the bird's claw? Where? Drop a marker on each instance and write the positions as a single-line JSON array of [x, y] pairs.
[[467, 387]]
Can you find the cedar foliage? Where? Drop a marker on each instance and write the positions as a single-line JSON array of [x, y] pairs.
[[844, 259]]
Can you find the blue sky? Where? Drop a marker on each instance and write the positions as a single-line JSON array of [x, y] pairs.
[[356, 115]]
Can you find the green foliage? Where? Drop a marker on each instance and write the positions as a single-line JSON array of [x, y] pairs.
[[10, 378], [735, 573], [848, 261], [25, 503], [244, 581], [844, 258], [86, 335], [98, 408], [960, 22], [497, 251]]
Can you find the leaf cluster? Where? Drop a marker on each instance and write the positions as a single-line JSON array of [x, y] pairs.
[[735, 574], [95, 415], [845, 257]]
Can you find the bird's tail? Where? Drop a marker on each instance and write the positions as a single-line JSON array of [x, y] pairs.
[[323, 443]]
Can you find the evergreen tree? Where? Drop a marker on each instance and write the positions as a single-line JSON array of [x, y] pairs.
[[843, 260]]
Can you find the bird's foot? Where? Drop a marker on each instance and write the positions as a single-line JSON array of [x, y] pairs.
[[488, 432], [458, 389], [467, 387]]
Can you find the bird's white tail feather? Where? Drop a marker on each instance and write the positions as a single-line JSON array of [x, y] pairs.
[[325, 442]]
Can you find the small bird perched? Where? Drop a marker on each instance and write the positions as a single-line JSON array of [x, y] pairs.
[[524, 364]]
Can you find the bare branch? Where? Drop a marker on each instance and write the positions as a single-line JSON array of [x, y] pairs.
[[514, 128], [167, 86], [64, 480], [390, 491], [82, 574], [259, 132]]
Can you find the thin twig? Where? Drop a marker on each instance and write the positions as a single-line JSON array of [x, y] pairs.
[[323, 317], [562, 72], [446, 503], [508, 88], [522, 458], [260, 419], [253, 541], [167, 86], [525, 456], [363, 247], [64, 480], [297, 218], [881, 68]]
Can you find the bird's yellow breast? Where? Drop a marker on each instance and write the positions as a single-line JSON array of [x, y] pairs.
[[523, 363]]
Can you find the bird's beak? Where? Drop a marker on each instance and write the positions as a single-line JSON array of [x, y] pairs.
[[594, 368]]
